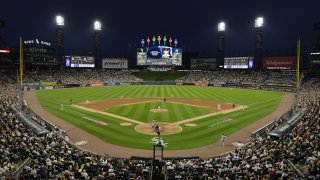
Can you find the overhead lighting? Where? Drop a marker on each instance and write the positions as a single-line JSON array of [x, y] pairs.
[[97, 25], [258, 22], [60, 20], [221, 26]]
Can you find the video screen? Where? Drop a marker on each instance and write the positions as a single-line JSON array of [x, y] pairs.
[[79, 61], [238, 62], [159, 55]]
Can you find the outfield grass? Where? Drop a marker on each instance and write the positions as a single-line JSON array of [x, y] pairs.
[[176, 112], [260, 104]]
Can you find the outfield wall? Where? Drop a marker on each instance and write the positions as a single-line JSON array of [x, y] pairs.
[[55, 85]]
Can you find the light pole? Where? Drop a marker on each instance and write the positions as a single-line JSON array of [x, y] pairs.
[[97, 43], [221, 39], [60, 38], [258, 24]]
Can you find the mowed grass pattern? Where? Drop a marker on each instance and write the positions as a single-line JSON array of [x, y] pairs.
[[208, 130], [141, 111]]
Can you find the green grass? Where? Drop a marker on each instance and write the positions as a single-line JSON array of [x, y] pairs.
[[176, 112], [159, 76], [260, 104]]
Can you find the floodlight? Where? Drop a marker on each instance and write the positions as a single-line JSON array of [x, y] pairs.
[[258, 22], [60, 20], [221, 26], [97, 25]]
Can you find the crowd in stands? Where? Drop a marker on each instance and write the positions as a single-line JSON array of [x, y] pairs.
[[239, 77], [265, 157], [72, 76], [51, 157], [282, 78]]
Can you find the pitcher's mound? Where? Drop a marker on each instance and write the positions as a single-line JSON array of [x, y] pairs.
[[158, 110], [165, 128]]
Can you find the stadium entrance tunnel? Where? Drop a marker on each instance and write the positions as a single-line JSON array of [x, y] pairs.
[[165, 128]]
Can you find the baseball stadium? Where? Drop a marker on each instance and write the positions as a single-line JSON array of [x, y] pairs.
[[160, 110]]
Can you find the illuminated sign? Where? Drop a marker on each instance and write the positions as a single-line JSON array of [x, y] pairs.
[[286, 62], [6, 51], [37, 41], [159, 55], [238, 62], [79, 61]]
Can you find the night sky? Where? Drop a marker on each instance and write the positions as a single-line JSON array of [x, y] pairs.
[[194, 23]]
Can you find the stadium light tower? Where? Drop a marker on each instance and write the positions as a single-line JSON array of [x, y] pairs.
[[97, 26], [221, 39], [258, 24], [60, 20], [221, 26], [60, 39]]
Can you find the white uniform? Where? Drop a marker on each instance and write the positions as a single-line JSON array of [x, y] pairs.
[[61, 107], [222, 139], [219, 107]]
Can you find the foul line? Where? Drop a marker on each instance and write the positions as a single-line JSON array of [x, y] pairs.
[[108, 114], [208, 115]]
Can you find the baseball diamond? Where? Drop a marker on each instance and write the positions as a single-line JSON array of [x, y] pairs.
[[132, 104]]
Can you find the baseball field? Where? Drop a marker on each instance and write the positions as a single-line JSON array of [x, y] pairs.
[[188, 116]]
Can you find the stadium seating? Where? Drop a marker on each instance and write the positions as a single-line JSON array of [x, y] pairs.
[[295, 155]]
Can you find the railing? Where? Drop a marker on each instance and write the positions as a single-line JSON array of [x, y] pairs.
[[295, 168], [15, 174]]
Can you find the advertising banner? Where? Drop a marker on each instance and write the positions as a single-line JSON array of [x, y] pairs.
[[96, 84], [125, 84], [48, 83], [201, 84], [110, 84], [114, 63], [287, 62]]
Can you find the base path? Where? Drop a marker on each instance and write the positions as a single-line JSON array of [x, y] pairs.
[[98, 146]]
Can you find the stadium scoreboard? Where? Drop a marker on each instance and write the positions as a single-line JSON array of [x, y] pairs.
[[159, 56], [238, 62], [79, 61]]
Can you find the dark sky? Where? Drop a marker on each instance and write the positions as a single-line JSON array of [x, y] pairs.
[[194, 23]]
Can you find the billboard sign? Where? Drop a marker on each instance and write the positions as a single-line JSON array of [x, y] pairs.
[[114, 63], [238, 62], [79, 61], [286, 62]]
